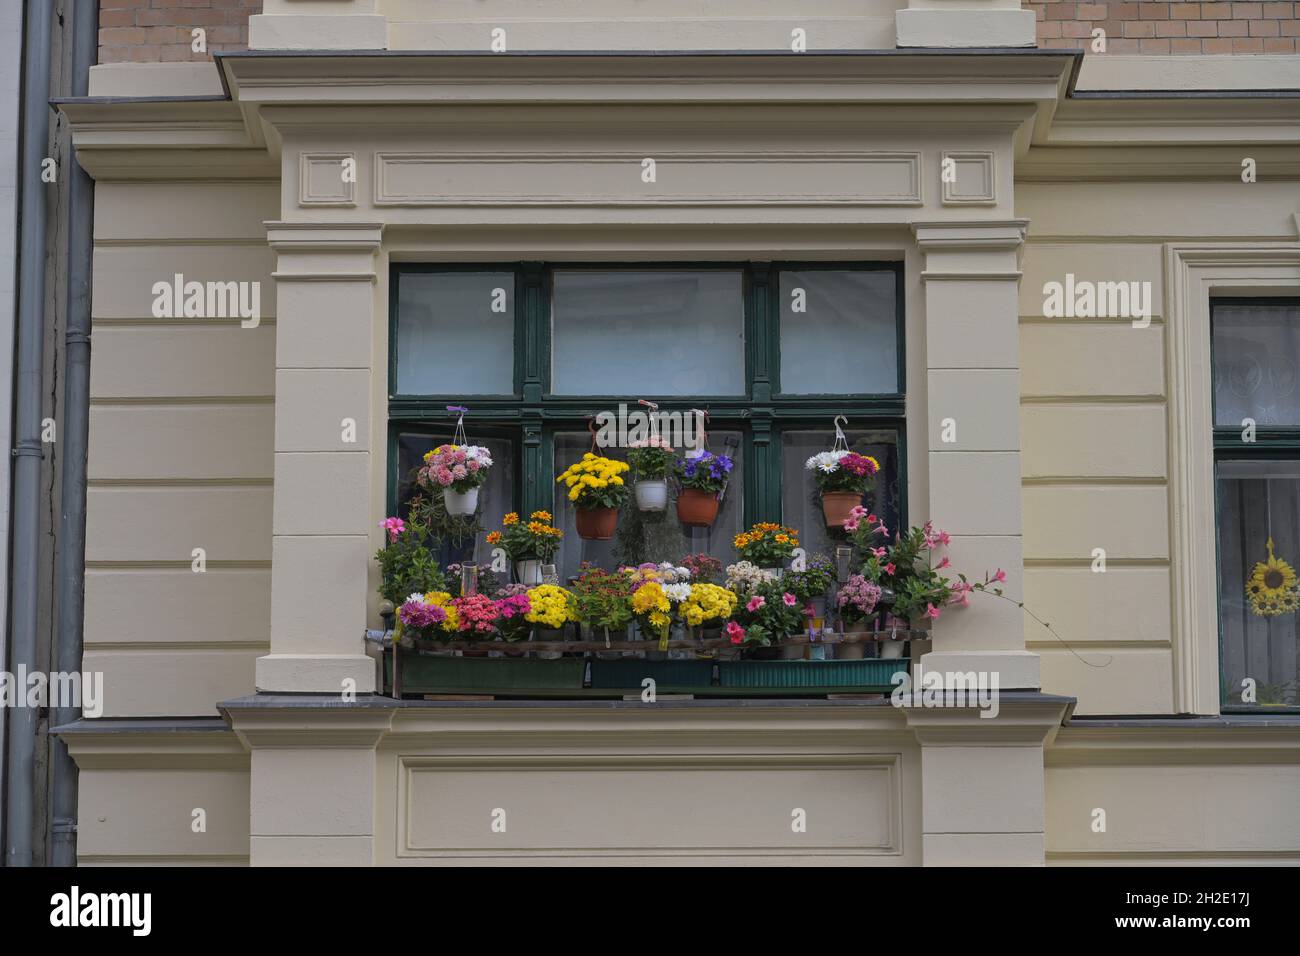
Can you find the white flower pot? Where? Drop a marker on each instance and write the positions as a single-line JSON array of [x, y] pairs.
[[891, 650], [529, 572], [460, 502], [652, 495]]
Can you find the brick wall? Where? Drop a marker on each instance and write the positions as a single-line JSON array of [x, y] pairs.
[[159, 30], [1163, 28], [152, 31]]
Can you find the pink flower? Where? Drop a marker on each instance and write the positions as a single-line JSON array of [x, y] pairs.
[[472, 465], [394, 527], [459, 472], [850, 524], [944, 538], [943, 564], [858, 511], [889, 568], [880, 552], [755, 603], [735, 632], [880, 528], [444, 477], [789, 599], [932, 611], [1000, 576]]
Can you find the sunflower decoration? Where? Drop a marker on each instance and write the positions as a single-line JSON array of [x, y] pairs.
[[1271, 589]]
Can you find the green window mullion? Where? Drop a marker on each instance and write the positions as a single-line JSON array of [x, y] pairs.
[[536, 320], [762, 352]]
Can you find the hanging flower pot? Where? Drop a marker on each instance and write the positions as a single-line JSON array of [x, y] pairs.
[[697, 509], [651, 461], [596, 524], [838, 506], [460, 502], [596, 490], [458, 470], [652, 495]]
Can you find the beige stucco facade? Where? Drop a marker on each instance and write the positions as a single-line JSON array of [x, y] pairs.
[[1073, 434]]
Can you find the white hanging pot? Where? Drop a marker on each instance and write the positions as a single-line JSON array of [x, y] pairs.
[[652, 495], [460, 502], [891, 650]]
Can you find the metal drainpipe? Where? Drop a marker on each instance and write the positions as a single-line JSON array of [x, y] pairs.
[[28, 450], [71, 581]]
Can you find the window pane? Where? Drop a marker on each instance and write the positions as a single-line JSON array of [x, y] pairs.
[[1258, 501], [649, 537], [801, 506], [648, 333], [495, 498], [839, 332], [456, 333], [1256, 351]]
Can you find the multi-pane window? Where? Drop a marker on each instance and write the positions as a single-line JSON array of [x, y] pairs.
[[1256, 349], [771, 352]]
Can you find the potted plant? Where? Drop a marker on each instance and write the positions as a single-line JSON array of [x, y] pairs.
[[459, 471], [604, 601], [707, 607], [856, 602], [653, 610], [597, 490], [811, 584], [704, 568], [407, 562], [768, 615], [528, 546], [702, 476], [512, 607], [844, 478], [767, 545], [651, 461]]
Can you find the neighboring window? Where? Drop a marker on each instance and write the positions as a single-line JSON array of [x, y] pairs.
[[588, 338], [1256, 349]]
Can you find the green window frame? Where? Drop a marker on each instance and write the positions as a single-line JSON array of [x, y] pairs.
[[533, 415], [1277, 444]]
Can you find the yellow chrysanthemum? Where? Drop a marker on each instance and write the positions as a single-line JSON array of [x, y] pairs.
[[511, 518], [1271, 588]]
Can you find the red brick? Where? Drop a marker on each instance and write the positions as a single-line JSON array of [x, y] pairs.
[[1049, 30], [1214, 45], [1279, 44], [1202, 28], [1263, 28], [1184, 46], [1060, 44], [1153, 11], [1247, 45], [1290, 28], [1077, 29], [1153, 46], [1123, 11], [161, 36], [1060, 11], [1171, 28], [1233, 28], [1091, 11], [1185, 11], [121, 36], [1122, 46], [1136, 28], [1040, 12], [226, 34], [1279, 11], [1215, 11], [117, 18], [1247, 11]]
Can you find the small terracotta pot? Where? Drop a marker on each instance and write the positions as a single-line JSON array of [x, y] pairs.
[[596, 524], [838, 506], [697, 509]]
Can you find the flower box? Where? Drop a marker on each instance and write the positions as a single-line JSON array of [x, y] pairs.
[[630, 672], [864, 676], [427, 674]]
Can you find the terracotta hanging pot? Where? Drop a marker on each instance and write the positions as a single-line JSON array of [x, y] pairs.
[[838, 506], [697, 509], [596, 524]]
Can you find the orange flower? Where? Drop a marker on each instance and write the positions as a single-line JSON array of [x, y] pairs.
[[511, 518], [494, 537]]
